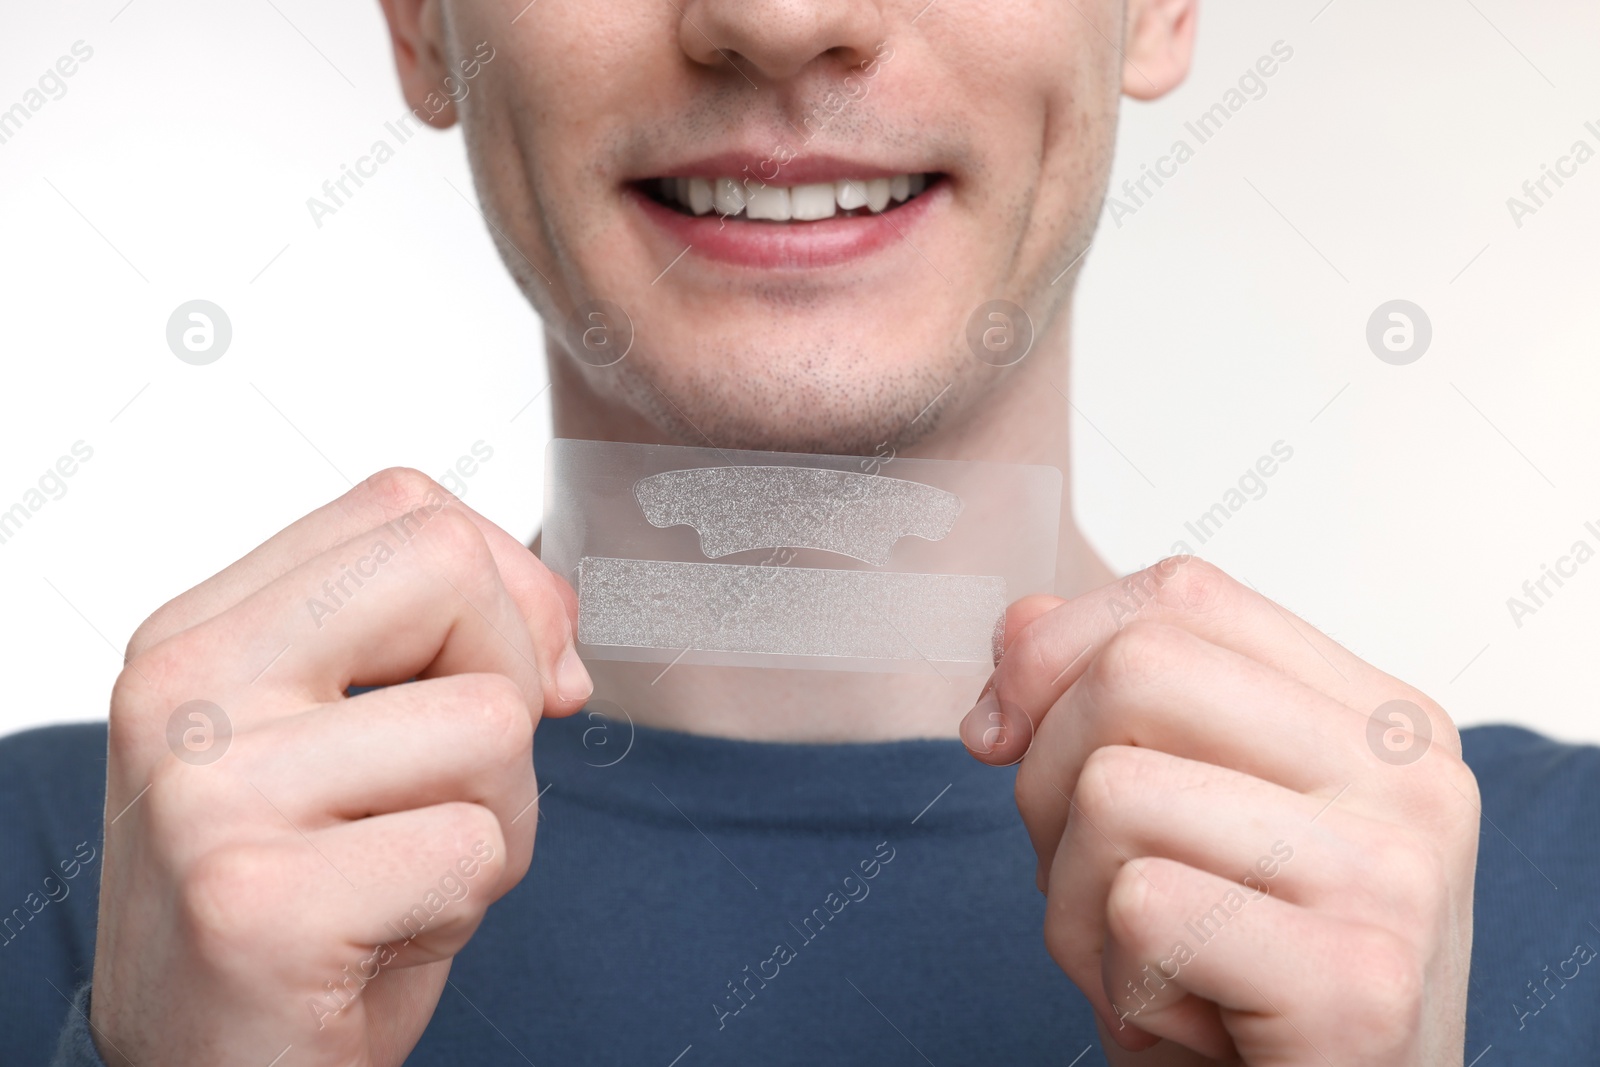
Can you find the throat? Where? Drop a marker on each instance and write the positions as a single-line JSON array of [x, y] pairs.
[[801, 706]]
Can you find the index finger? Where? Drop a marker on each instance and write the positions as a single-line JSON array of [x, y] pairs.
[[1045, 653], [384, 497]]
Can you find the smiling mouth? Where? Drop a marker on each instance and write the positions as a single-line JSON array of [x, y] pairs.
[[753, 201]]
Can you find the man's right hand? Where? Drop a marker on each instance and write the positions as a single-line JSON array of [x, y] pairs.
[[306, 889]]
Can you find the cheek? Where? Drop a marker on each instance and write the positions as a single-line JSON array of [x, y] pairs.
[[1040, 93], [1026, 69], [548, 127]]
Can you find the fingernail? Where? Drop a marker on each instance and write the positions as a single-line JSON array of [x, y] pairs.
[[572, 679], [982, 729]]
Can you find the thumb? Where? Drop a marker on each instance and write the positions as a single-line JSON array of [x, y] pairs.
[[1020, 616]]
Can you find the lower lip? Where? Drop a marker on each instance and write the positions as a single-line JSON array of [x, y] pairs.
[[791, 245]]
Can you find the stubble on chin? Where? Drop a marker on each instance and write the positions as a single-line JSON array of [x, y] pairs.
[[822, 398]]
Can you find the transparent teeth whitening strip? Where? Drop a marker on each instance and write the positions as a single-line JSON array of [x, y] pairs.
[[719, 557]]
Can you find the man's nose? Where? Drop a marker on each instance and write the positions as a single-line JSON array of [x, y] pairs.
[[777, 39]]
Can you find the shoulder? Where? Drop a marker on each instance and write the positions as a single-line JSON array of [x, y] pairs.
[[52, 791], [1541, 807], [1504, 743], [1522, 774], [52, 784], [55, 742], [54, 764], [1538, 877]]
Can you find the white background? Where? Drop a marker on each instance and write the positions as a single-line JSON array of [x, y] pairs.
[[1226, 314]]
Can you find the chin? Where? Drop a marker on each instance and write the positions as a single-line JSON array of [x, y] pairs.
[[825, 396]]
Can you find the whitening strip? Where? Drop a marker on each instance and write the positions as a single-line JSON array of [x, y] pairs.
[[735, 509], [702, 555], [791, 611]]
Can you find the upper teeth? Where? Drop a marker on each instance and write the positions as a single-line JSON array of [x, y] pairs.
[[780, 203]]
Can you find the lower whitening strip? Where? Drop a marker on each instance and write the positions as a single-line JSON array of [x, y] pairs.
[[791, 611]]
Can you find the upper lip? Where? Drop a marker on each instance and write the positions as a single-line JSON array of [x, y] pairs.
[[771, 168]]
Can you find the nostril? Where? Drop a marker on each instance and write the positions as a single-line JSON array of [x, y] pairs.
[[774, 40]]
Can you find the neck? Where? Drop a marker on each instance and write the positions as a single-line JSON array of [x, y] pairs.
[[1025, 420]]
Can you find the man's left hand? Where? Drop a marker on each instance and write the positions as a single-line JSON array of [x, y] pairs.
[[1254, 846]]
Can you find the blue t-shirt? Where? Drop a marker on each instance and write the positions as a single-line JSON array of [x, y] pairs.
[[698, 900]]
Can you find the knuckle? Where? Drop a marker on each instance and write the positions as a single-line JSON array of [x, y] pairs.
[[1414, 882], [458, 541], [1447, 736], [150, 631], [1134, 906], [1137, 656], [159, 670], [149, 686], [397, 490], [498, 707], [470, 826], [1388, 988], [1194, 588], [179, 796], [1107, 773], [1440, 789], [1027, 654], [225, 900], [1436, 728], [170, 618], [1459, 779], [130, 696], [1449, 800]]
